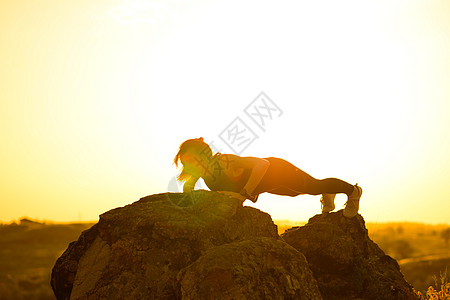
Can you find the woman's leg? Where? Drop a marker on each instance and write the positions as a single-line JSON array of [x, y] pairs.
[[327, 186], [306, 184], [283, 178]]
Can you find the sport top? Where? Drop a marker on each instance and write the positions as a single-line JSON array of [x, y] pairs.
[[219, 181]]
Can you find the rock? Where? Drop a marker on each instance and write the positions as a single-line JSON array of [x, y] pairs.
[[260, 268], [138, 251], [346, 263], [206, 245], [65, 269]]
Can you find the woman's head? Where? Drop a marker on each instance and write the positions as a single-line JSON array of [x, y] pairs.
[[193, 154]]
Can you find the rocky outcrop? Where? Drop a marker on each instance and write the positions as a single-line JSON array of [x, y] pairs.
[[206, 245], [345, 261], [183, 246]]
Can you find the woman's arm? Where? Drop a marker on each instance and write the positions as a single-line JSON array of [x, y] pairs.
[[258, 167], [190, 184]]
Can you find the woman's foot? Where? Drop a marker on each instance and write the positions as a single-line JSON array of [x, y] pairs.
[[327, 201], [352, 205]]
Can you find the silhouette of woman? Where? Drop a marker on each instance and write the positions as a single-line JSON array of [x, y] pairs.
[[251, 176]]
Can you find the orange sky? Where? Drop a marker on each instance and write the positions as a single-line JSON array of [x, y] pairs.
[[96, 97]]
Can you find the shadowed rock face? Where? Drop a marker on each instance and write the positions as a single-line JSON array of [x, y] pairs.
[[259, 268], [205, 245], [161, 246], [346, 263]]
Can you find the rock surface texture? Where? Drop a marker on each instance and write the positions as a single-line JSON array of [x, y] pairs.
[[205, 245]]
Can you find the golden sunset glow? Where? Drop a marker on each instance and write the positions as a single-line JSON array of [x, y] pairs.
[[96, 97]]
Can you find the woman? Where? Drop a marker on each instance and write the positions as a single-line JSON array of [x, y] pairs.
[[251, 176]]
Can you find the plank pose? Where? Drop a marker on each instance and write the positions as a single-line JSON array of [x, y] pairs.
[[247, 177]]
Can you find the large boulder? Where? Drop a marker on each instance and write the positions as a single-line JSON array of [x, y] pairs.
[[260, 268], [346, 263], [199, 245]]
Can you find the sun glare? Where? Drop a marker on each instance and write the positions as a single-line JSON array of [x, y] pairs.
[[97, 97], [141, 11]]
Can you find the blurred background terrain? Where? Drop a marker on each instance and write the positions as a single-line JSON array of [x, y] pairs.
[[29, 249]]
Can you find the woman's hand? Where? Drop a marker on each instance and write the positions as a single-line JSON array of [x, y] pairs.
[[252, 198], [239, 196]]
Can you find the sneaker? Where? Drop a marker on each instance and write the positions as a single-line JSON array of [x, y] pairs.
[[352, 204], [327, 201]]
